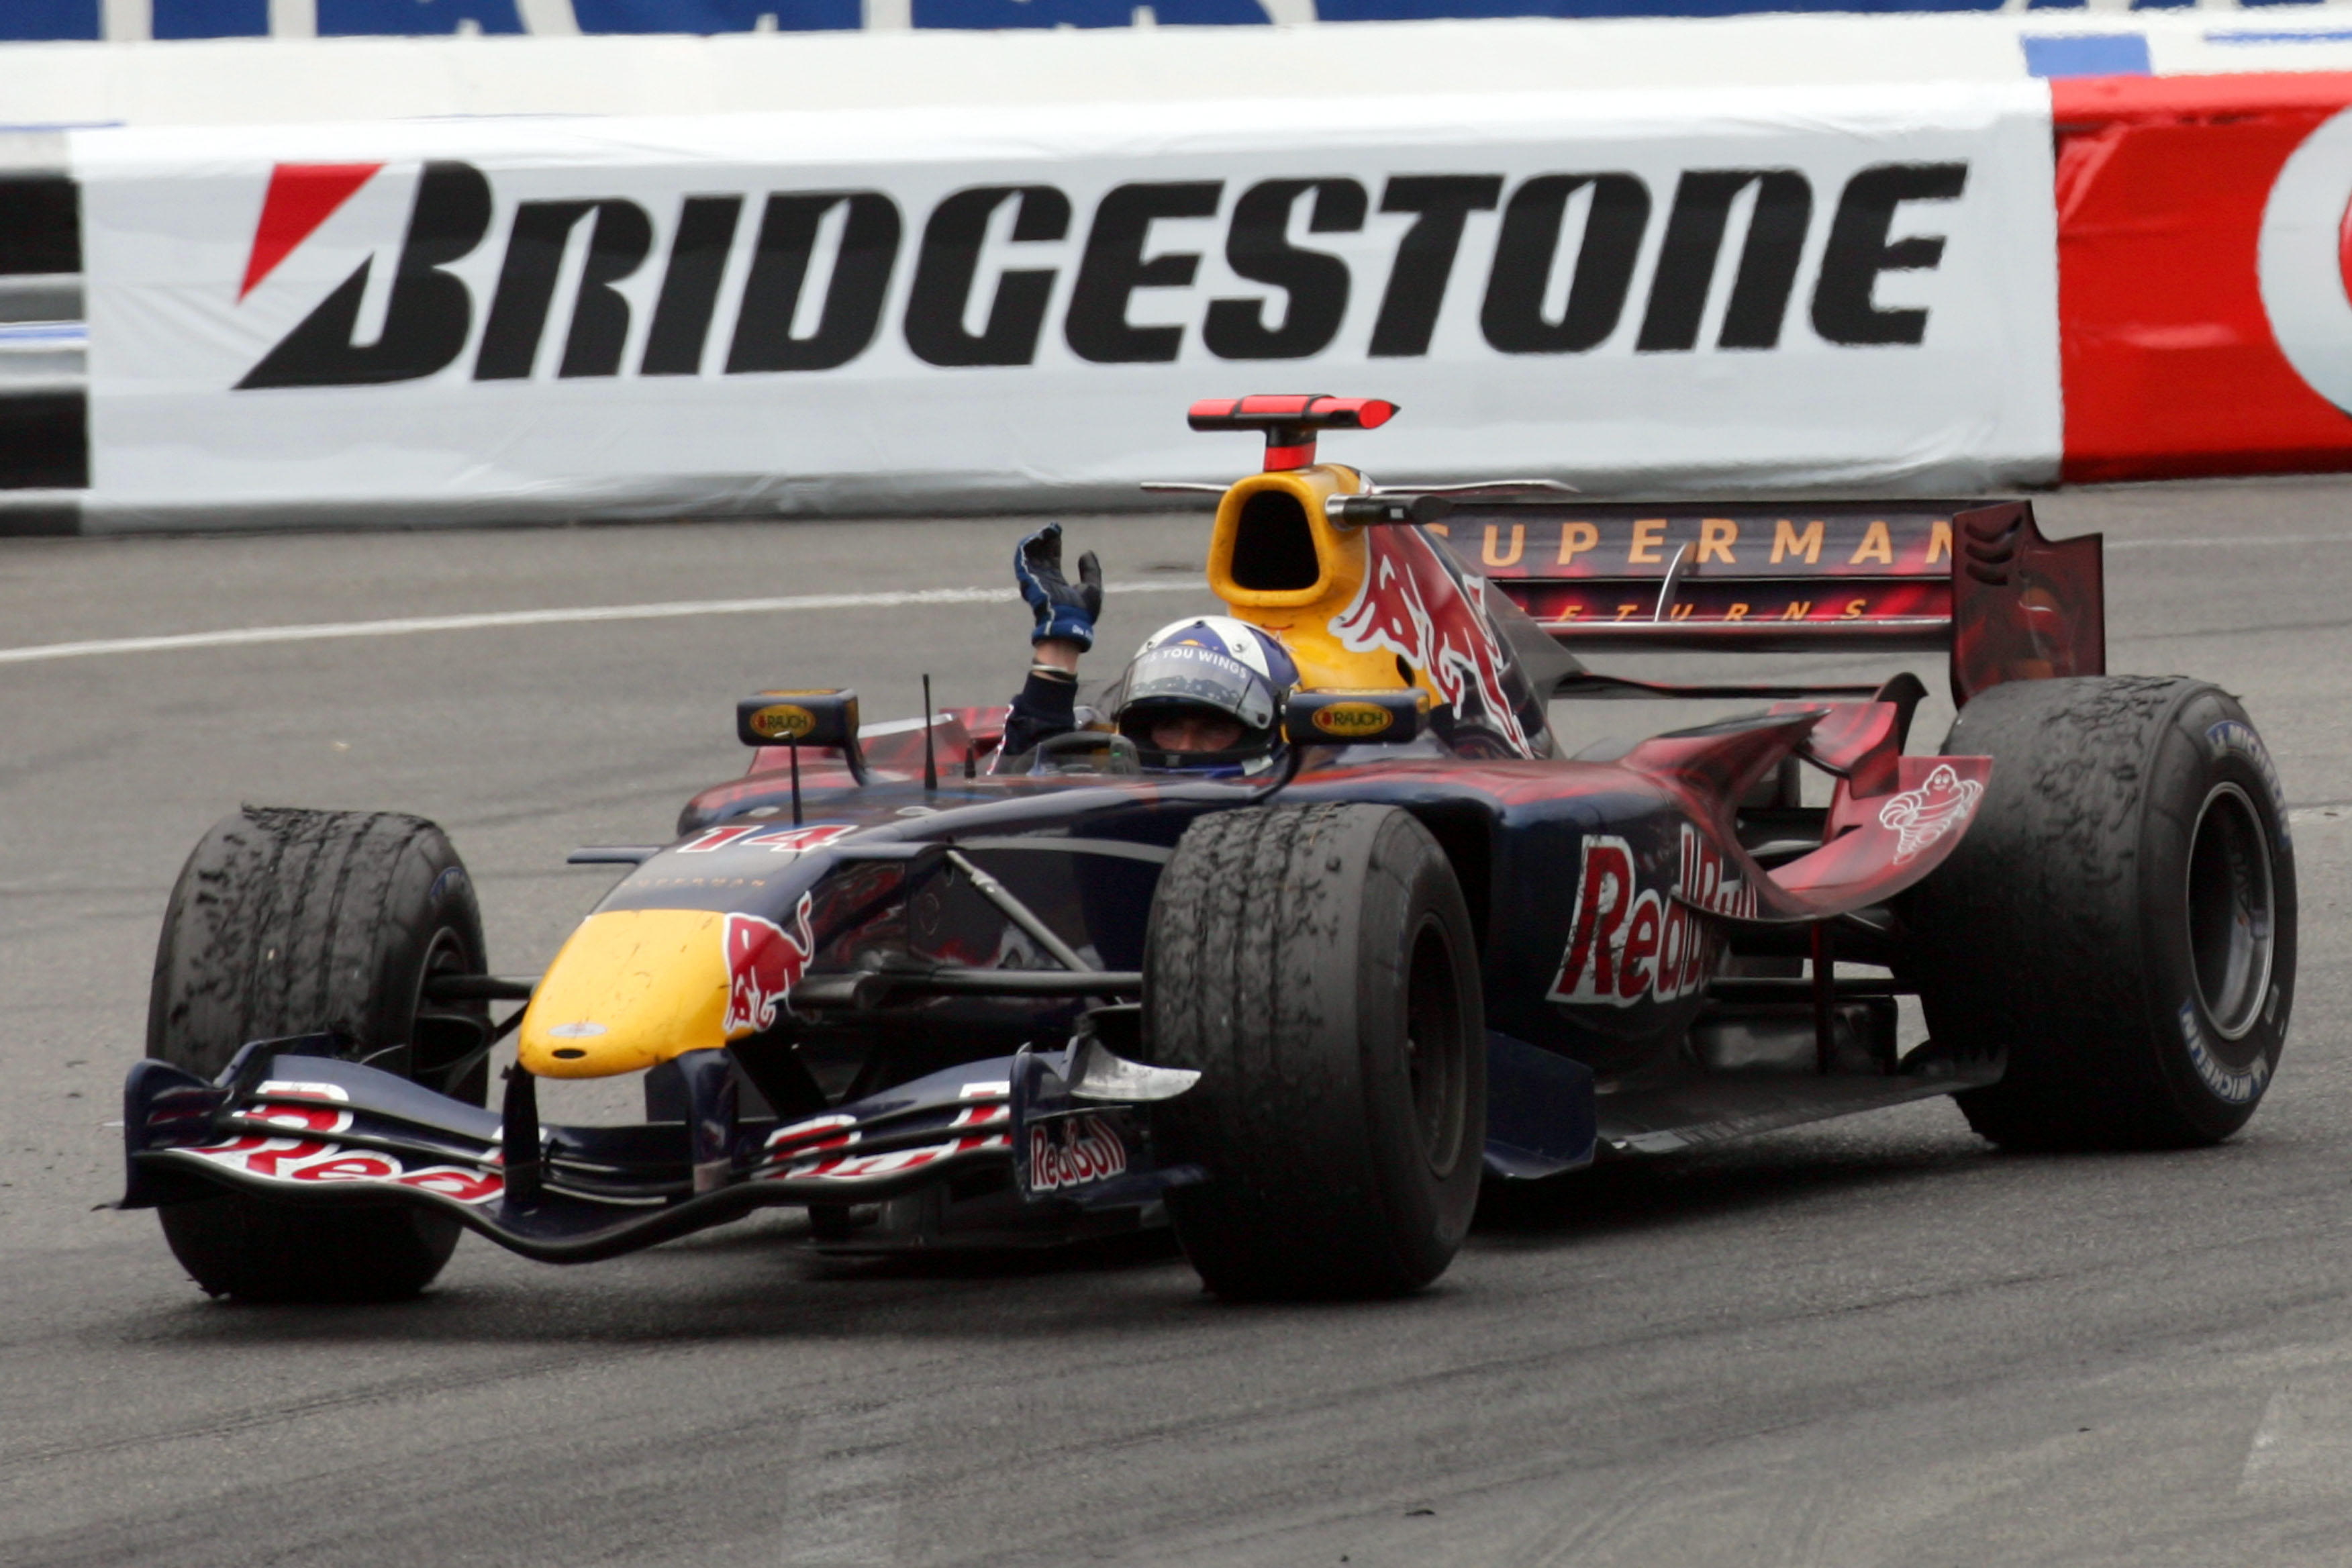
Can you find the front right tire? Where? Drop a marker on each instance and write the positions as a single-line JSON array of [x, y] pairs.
[[1317, 965], [291, 922]]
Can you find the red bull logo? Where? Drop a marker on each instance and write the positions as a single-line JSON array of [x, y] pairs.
[[764, 961], [1083, 1150], [1628, 944], [1412, 605], [1708, 883]]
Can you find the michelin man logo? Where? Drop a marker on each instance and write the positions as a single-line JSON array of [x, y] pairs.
[[1921, 817]]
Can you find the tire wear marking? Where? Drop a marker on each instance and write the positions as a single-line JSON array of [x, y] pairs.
[[2237, 1088], [1628, 944], [2228, 737], [1921, 817], [1074, 1151]]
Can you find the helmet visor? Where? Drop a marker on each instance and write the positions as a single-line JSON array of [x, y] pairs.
[[1183, 673]]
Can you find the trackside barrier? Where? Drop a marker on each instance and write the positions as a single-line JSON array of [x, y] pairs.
[[1739, 289], [44, 444], [2204, 257], [303, 81], [860, 311], [138, 21]]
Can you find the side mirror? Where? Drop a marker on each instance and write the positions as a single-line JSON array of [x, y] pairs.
[[802, 718], [1381, 718]]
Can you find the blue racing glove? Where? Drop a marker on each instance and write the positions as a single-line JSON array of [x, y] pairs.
[[1063, 611]]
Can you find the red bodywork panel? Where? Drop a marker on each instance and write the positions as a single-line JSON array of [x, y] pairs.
[[2024, 607], [1892, 819], [2172, 363]]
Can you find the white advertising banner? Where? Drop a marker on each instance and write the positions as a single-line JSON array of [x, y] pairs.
[[863, 310]]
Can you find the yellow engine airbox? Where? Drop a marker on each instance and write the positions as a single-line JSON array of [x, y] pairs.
[[1280, 563]]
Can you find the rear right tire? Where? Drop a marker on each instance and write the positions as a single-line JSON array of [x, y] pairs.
[[2120, 917]]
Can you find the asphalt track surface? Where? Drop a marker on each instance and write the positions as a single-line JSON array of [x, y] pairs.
[[1874, 1342]]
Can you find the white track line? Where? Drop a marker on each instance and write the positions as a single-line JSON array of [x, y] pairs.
[[2227, 541], [673, 609], [407, 625]]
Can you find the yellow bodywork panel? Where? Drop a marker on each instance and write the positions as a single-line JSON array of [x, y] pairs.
[[631, 989], [1300, 618]]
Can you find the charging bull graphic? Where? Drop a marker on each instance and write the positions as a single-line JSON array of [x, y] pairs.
[[764, 961], [1413, 606]]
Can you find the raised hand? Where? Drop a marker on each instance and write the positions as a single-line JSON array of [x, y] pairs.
[[1065, 612]]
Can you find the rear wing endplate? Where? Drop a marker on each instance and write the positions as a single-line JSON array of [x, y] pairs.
[[1914, 575]]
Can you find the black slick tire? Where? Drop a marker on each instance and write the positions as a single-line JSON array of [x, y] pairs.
[[2120, 918], [1317, 965], [290, 922]]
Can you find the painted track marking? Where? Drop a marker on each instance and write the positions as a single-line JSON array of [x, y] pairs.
[[237, 636], [2222, 541]]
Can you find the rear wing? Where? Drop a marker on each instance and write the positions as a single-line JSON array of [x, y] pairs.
[[1914, 575]]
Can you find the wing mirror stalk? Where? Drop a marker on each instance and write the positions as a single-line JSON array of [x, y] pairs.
[[797, 718]]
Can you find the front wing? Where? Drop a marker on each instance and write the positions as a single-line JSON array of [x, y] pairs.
[[289, 1122]]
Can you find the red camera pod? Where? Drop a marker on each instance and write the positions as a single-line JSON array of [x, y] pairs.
[[1290, 420]]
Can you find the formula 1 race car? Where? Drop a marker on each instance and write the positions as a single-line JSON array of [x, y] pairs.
[[939, 995]]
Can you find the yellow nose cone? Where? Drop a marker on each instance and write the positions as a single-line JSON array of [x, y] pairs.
[[631, 989]]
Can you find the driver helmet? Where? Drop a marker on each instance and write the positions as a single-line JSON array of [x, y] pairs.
[[1212, 665]]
